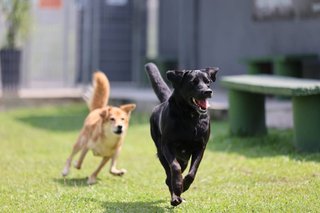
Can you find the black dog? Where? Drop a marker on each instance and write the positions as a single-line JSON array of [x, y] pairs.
[[180, 125]]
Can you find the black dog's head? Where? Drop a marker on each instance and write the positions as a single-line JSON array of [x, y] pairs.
[[194, 86]]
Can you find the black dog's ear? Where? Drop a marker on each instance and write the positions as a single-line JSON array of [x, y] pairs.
[[212, 72], [175, 76]]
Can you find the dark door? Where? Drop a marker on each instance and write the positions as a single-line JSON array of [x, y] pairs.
[[115, 45], [112, 39]]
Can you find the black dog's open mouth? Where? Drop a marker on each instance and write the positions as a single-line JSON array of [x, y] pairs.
[[201, 104]]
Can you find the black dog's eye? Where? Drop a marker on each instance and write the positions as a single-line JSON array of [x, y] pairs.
[[122, 119], [195, 81], [112, 119], [206, 81]]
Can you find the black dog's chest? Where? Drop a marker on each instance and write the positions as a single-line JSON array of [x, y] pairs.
[[188, 135], [191, 133], [192, 140]]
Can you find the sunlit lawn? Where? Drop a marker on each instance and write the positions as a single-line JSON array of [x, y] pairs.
[[236, 175]]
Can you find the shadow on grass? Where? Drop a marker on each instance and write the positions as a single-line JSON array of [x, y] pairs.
[[138, 206], [69, 120], [121, 206], [276, 143], [72, 182], [63, 123], [63, 118]]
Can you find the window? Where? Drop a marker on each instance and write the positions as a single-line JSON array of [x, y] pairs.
[[285, 9]]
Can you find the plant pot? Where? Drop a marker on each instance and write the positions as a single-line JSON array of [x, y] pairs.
[[10, 69]]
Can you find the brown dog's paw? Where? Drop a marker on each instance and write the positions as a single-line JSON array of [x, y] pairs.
[[65, 171], [119, 172], [76, 165], [91, 180]]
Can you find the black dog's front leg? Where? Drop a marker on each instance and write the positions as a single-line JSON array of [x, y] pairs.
[[176, 177], [195, 162]]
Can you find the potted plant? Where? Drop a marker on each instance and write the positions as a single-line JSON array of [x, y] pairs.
[[16, 15]]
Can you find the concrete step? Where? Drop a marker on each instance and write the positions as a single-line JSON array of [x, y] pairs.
[[278, 112]]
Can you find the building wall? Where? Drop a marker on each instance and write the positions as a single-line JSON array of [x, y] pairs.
[[112, 40], [115, 41], [227, 33], [168, 29], [49, 53]]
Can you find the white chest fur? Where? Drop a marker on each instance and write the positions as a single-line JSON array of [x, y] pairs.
[[105, 146]]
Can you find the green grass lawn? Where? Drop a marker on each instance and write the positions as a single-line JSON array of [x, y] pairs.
[[236, 174]]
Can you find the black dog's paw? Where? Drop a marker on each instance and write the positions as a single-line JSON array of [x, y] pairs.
[[187, 180], [176, 200]]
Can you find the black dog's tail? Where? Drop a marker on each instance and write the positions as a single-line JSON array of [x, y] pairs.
[[159, 86]]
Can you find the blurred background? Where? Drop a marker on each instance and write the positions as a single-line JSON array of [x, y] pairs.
[[67, 40]]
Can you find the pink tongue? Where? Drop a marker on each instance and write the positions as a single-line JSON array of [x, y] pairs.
[[203, 103]]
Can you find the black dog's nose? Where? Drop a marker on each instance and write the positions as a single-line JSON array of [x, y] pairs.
[[208, 92], [119, 127]]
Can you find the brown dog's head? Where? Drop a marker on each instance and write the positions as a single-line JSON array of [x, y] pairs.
[[115, 120], [194, 86]]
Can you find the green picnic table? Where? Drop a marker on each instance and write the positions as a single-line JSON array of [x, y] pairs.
[[283, 65], [247, 106]]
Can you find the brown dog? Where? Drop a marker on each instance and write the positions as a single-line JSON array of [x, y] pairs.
[[103, 131]]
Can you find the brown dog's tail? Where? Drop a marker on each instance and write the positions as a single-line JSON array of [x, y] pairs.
[[101, 91], [159, 86]]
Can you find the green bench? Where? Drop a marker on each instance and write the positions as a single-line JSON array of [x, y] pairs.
[[247, 106], [283, 65]]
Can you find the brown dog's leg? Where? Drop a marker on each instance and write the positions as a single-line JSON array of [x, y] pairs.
[[113, 167], [78, 164], [76, 148], [93, 177]]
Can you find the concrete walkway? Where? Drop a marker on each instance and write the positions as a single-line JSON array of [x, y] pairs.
[[278, 112]]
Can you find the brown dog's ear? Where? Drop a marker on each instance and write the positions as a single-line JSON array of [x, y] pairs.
[[212, 72], [128, 107], [104, 113], [175, 76]]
